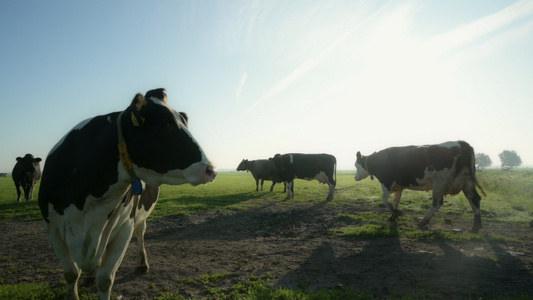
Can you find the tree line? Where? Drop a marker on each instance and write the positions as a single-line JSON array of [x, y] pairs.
[[508, 158]]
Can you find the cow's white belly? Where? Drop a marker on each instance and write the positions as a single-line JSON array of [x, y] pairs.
[[88, 232], [321, 177]]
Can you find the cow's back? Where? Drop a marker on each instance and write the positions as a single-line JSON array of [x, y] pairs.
[[261, 168]]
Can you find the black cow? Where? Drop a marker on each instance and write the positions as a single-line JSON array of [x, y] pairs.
[[101, 181], [262, 169], [321, 167], [26, 173], [447, 169]]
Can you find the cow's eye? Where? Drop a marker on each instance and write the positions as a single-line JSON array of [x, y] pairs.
[[166, 124]]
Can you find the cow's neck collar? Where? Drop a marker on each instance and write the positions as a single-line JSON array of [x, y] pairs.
[[366, 168], [136, 185]]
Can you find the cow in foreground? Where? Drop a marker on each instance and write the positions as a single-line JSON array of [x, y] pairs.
[[26, 173], [446, 168], [101, 181], [321, 167], [261, 169]]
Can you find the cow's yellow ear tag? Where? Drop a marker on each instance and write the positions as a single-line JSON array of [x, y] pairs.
[[135, 121]]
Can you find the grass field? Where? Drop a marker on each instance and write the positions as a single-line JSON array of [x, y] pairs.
[[509, 199]]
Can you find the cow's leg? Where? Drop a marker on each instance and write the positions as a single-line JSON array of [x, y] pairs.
[[70, 269], [17, 185], [262, 182], [257, 184], [331, 193], [474, 198], [284, 187], [395, 203], [115, 250], [27, 194], [290, 189], [272, 186], [142, 258], [385, 199], [31, 192], [438, 199]]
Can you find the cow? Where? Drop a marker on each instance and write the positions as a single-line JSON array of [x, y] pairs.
[[3, 174], [101, 181], [321, 167], [446, 169], [262, 169], [26, 173]]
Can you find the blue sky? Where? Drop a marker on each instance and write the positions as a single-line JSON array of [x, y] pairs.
[[264, 77]]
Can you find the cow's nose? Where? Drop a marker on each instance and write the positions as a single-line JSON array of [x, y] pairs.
[[211, 173]]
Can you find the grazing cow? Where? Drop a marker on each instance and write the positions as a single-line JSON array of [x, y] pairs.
[[91, 194], [26, 173], [447, 169], [262, 169], [321, 167]]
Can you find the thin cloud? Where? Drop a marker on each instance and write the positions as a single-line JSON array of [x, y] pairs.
[[311, 63], [469, 33], [244, 76]]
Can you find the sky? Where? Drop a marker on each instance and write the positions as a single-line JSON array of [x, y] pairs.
[[258, 78]]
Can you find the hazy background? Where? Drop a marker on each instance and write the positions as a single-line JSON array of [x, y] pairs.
[[263, 77]]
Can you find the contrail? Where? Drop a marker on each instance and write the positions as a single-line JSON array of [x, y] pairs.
[[311, 63]]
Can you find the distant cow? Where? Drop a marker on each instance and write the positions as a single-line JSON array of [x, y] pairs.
[[89, 195], [26, 173], [321, 167], [262, 169], [3, 174], [447, 169]]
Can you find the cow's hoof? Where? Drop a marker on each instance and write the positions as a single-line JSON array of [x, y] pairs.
[[141, 270], [474, 230], [393, 218], [422, 224], [397, 212]]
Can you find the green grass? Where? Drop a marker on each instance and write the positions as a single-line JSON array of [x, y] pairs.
[[509, 199]]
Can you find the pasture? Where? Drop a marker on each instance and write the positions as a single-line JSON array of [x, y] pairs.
[[226, 241]]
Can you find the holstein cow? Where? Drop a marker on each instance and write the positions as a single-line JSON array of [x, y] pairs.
[[26, 173], [447, 169], [262, 169], [321, 167], [101, 181]]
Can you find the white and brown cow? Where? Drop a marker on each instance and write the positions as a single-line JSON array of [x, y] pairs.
[[446, 168], [101, 181], [321, 167], [26, 173], [261, 169]]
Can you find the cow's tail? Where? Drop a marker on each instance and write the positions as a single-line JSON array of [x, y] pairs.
[[335, 169], [473, 169]]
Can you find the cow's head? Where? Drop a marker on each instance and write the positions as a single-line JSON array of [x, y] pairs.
[[161, 147], [361, 167], [28, 165], [278, 163], [243, 166]]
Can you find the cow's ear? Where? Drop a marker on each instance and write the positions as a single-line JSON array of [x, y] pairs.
[[271, 159], [19, 158], [38, 159], [158, 94], [137, 104], [358, 155], [185, 118]]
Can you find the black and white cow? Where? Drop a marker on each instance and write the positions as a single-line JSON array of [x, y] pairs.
[[26, 173], [261, 169], [321, 167], [446, 168], [89, 194]]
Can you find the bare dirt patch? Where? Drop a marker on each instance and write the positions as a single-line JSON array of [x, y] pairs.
[[297, 249]]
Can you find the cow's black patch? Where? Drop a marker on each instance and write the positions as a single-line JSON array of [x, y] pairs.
[[84, 164]]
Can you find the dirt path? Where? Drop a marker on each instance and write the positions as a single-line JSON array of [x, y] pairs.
[[296, 248]]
